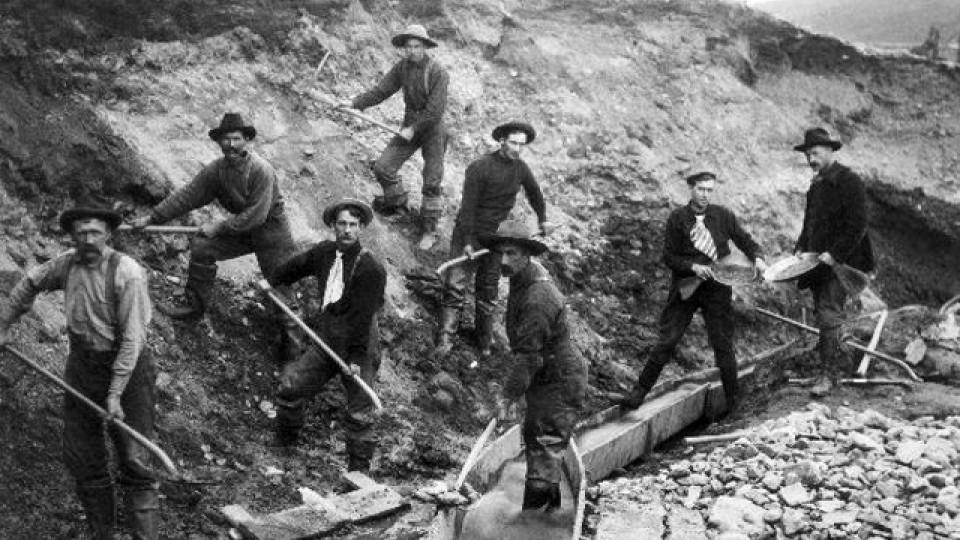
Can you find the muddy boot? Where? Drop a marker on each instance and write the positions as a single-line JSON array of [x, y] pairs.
[[483, 332], [360, 455], [143, 513], [100, 506], [822, 386], [428, 234], [393, 201], [633, 400], [196, 294], [828, 348], [448, 327], [539, 494]]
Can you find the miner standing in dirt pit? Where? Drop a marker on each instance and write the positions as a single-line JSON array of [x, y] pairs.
[[546, 368], [424, 83], [696, 236], [246, 186], [835, 226], [489, 194], [352, 283], [107, 313]]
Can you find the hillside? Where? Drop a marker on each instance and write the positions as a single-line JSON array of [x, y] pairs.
[[115, 97], [870, 21]]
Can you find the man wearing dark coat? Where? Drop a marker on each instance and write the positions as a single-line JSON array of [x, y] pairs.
[[835, 226], [107, 307], [547, 370], [352, 283], [490, 192], [696, 236], [424, 83]]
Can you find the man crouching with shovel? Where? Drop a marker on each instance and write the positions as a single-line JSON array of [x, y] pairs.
[[352, 283], [107, 313]]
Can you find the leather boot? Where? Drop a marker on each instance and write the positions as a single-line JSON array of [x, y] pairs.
[[448, 327], [483, 331], [393, 200], [539, 494], [143, 512], [100, 506], [828, 348], [197, 293], [634, 399]]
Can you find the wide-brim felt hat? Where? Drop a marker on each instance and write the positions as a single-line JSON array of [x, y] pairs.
[[232, 122], [513, 232], [501, 131], [415, 31], [817, 137], [331, 211], [87, 209]]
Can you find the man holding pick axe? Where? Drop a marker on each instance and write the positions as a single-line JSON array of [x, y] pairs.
[[835, 226], [546, 368], [107, 312], [352, 283], [489, 194], [696, 236], [424, 84]]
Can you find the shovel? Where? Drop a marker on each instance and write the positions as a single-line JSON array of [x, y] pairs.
[[134, 434]]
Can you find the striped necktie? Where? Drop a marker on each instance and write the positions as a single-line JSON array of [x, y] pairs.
[[334, 289], [702, 240]]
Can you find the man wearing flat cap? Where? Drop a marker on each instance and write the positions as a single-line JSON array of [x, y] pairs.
[[490, 192], [424, 84], [696, 236], [351, 283], [107, 308], [835, 226], [546, 369]]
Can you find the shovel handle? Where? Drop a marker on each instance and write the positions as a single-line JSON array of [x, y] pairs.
[[162, 229], [265, 287], [143, 441], [475, 453], [460, 260], [353, 112]]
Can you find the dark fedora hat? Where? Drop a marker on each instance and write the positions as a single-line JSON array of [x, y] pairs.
[[232, 122], [513, 232], [331, 211], [414, 31], [503, 130], [817, 137], [88, 208]]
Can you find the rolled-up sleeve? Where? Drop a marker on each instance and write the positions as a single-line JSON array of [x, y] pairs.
[[133, 318]]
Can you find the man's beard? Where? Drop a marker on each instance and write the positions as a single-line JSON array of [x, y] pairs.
[[506, 270]]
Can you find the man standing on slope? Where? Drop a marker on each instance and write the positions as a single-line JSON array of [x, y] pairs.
[[489, 194], [835, 226], [546, 370], [424, 84], [352, 283], [107, 306], [696, 236]]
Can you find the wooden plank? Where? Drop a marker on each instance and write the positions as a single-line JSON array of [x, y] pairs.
[[296, 523], [368, 503], [577, 475], [359, 480]]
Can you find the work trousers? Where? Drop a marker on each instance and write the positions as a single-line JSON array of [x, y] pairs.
[[432, 146], [272, 242], [546, 433], [486, 270], [84, 445], [714, 301], [829, 298], [306, 377]]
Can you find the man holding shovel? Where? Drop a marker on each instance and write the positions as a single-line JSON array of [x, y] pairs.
[[107, 313], [352, 283], [547, 370], [835, 226], [696, 236], [489, 194], [424, 84]]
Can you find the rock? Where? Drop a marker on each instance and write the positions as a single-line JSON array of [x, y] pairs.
[[772, 481], [732, 514], [864, 442], [741, 450], [794, 522], [937, 480], [795, 494], [910, 451], [949, 500]]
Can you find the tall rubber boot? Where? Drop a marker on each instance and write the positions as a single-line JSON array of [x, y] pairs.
[[360, 454], [197, 293], [448, 327], [100, 506], [828, 349], [393, 200], [483, 331], [634, 399], [143, 512]]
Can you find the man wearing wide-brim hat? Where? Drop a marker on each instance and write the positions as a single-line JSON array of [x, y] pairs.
[[351, 285], [424, 83], [835, 226], [247, 187], [545, 369], [490, 188], [107, 308]]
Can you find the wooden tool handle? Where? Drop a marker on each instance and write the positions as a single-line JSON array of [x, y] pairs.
[[265, 287], [460, 260], [353, 112], [161, 229]]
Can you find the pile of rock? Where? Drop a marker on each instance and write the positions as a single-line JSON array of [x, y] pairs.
[[817, 474]]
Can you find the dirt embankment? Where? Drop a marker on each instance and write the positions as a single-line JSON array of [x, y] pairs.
[[116, 97]]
